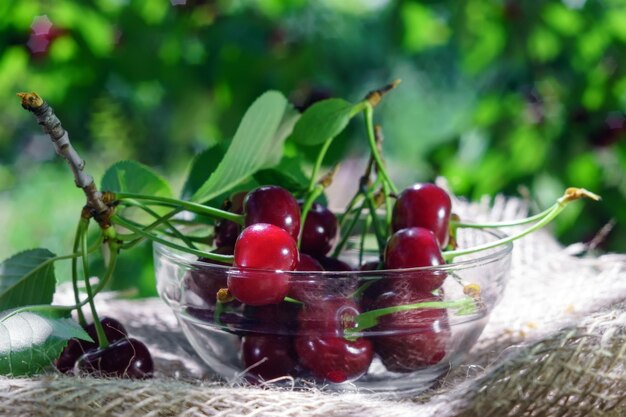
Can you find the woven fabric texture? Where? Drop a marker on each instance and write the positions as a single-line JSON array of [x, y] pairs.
[[554, 346]]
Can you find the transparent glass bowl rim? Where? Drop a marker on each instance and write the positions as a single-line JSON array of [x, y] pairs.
[[477, 259]]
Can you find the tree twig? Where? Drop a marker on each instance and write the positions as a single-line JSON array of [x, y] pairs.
[[60, 139]]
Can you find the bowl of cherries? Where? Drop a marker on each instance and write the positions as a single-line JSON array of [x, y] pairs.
[[384, 295], [316, 296]]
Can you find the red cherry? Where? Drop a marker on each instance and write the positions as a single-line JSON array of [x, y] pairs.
[[201, 284], [415, 247], [273, 205], [267, 356], [424, 205], [319, 231], [416, 338], [321, 345], [262, 252]]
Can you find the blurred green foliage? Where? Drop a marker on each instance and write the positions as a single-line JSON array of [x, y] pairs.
[[497, 96]]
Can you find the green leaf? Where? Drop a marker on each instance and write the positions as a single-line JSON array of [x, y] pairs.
[[31, 340], [257, 144], [287, 174], [202, 167], [133, 177], [27, 278], [324, 120]]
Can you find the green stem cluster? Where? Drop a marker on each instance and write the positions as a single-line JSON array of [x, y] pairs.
[[541, 219], [383, 183], [182, 204], [117, 219], [369, 319]]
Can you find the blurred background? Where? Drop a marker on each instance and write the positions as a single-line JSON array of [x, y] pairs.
[[520, 98]]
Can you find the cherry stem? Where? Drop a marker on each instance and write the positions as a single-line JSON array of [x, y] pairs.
[[318, 164], [187, 205], [379, 138], [369, 125], [292, 300], [346, 234], [363, 191], [219, 309], [314, 190], [306, 207], [369, 319], [380, 233], [103, 343], [366, 227], [359, 291], [161, 220], [79, 311], [388, 209], [344, 216], [571, 194], [510, 223], [130, 226]]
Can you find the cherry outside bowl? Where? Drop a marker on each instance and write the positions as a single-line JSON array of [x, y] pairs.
[[233, 343]]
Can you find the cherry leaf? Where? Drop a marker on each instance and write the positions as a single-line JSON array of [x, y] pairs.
[[27, 278], [31, 340], [287, 174], [324, 120], [133, 177], [257, 144], [202, 166]]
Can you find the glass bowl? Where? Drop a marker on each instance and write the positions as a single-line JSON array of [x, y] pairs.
[[327, 338]]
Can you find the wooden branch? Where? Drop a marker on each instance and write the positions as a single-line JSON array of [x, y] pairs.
[[60, 139]]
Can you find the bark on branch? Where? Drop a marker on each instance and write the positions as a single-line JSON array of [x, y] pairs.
[[52, 127]]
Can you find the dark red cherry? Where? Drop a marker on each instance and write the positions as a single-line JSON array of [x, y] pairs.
[[308, 263], [281, 318], [125, 358], [372, 292], [424, 205], [319, 231], [262, 252], [113, 329], [74, 349], [226, 232], [415, 247], [334, 264], [201, 283], [373, 283], [321, 345], [310, 288], [416, 338], [307, 287], [267, 356], [274, 205]]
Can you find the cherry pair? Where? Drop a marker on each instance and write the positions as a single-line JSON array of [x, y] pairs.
[[267, 246], [124, 357], [319, 347]]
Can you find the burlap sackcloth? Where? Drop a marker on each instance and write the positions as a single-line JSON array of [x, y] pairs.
[[555, 346]]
